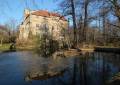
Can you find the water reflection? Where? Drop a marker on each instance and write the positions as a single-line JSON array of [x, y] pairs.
[[46, 69], [86, 69], [42, 68], [97, 69], [43, 75]]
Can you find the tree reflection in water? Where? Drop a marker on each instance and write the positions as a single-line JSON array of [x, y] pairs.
[[86, 69], [49, 68]]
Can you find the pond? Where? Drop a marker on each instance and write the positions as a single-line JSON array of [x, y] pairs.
[[27, 68]]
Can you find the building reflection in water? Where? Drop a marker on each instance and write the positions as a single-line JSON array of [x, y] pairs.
[[86, 69]]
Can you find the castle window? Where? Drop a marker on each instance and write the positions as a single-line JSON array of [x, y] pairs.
[[37, 25], [52, 27]]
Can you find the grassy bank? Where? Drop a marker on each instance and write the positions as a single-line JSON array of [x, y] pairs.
[[24, 48], [4, 47]]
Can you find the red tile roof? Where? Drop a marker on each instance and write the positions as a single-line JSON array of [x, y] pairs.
[[48, 14]]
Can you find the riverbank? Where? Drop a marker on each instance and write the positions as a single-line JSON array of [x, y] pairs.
[[4, 47], [107, 49], [101, 49], [23, 48]]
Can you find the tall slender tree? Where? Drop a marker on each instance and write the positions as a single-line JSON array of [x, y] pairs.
[[74, 22]]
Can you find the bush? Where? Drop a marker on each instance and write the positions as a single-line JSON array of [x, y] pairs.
[[46, 46]]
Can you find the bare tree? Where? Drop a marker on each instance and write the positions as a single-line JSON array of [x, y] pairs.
[[11, 25], [74, 22], [115, 5]]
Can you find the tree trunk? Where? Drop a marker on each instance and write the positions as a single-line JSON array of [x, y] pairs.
[[1, 42], [104, 30], [74, 23], [85, 19]]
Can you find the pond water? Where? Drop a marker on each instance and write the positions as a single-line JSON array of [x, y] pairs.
[[27, 68]]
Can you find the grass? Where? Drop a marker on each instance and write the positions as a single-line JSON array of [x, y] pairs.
[[24, 48], [4, 47]]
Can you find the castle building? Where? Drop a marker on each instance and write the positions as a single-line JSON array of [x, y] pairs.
[[37, 22]]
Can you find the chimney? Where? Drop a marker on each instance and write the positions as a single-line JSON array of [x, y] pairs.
[[26, 12]]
